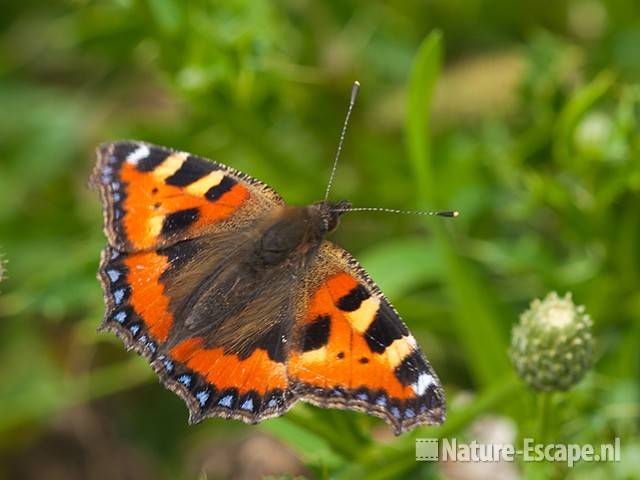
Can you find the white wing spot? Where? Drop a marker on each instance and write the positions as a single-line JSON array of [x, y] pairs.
[[424, 381], [138, 154]]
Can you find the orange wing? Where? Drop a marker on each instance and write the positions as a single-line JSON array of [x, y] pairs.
[[159, 207], [155, 197], [222, 384], [248, 385], [353, 350]]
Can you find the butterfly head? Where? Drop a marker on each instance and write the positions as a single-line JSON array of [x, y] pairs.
[[330, 213]]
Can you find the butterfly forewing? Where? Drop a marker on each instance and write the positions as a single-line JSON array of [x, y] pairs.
[[154, 196]]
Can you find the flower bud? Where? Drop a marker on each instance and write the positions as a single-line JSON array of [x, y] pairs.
[[552, 345]]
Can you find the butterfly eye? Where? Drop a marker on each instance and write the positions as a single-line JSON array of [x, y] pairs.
[[332, 216]]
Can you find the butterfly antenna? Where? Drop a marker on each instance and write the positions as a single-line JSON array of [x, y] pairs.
[[354, 94], [438, 213]]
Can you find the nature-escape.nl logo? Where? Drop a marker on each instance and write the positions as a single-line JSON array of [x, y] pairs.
[[433, 449]]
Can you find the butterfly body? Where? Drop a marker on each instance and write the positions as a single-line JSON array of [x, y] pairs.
[[240, 303], [294, 234]]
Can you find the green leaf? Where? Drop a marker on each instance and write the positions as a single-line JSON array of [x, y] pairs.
[[308, 444], [400, 266], [421, 88], [476, 321], [167, 14]]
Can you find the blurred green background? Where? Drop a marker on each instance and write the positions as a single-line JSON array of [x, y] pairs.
[[522, 115]]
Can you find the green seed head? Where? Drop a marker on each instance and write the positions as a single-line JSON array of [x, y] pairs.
[[552, 346]]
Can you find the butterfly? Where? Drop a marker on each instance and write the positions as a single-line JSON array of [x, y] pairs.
[[240, 303]]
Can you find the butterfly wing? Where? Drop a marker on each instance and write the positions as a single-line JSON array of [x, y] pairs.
[[353, 351], [154, 196], [159, 275], [224, 353]]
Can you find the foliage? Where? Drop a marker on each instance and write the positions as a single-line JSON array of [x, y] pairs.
[[527, 123]]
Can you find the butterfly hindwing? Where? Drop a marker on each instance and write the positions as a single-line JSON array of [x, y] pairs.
[[154, 196], [214, 382], [353, 350], [173, 305], [122, 316]]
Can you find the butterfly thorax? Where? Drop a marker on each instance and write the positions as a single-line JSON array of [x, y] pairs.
[[295, 232]]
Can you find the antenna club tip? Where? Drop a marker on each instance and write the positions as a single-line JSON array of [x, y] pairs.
[[354, 92], [448, 213]]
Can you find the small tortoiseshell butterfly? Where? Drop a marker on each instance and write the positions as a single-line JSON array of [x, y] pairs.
[[238, 301]]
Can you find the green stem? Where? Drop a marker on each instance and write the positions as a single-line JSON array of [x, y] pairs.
[[544, 415]]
